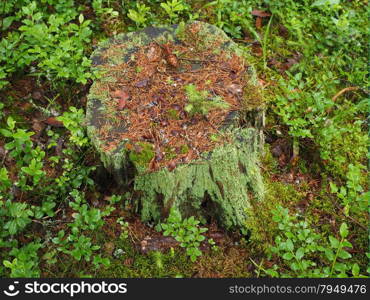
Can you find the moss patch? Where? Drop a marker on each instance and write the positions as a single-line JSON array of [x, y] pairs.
[[141, 153], [225, 182]]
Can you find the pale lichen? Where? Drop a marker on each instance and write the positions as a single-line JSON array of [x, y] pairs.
[[220, 183]]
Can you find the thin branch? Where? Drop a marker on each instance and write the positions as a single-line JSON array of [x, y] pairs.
[[347, 89]]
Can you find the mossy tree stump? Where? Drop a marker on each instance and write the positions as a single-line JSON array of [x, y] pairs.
[[156, 144]]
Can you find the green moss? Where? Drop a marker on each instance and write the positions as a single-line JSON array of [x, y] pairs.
[[268, 161], [252, 96], [175, 263], [260, 213], [153, 264], [221, 185], [181, 31], [169, 153], [173, 114], [214, 137], [98, 91], [184, 149], [141, 154]]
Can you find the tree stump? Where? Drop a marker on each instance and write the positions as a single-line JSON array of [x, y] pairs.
[[177, 113]]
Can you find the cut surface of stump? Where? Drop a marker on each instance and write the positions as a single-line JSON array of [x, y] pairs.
[[178, 112]]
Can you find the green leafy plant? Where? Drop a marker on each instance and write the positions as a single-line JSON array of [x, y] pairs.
[[77, 244], [186, 231], [55, 43], [25, 263], [4, 180], [15, 216], [352, 195], [300, 250], [20, 146], [304, 107], [29, 159], [139, 15], [233, 17], [74, 122], [101, 11], [124, 228], [173, 8], [47, 179], [200, 102]]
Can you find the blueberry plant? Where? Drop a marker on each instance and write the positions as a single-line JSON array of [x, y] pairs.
[[317, 102]]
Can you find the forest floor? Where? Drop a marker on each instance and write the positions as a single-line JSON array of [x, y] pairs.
[[313, 221]]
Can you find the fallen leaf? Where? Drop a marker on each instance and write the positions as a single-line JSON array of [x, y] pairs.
[[153, 164], [257, 50], [171, 165], [37, 126], [109, 248], [235, 89], [122, 97], [52, 121], [176, 107], [142, 83], [260, 13], [37, 95], [121, 104], [154, 53], [121, 94], [172, 60], [128, 261]]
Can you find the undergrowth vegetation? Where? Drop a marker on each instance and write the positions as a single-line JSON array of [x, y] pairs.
[[56, 213]]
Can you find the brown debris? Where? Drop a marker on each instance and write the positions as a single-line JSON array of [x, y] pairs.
[[157, 243], [260, 13], [52, 121], [122, 97], [153, 100]]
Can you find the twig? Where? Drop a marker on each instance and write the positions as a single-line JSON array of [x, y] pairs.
[[347, 89], [259, 267], [351, 218], [199, 60]]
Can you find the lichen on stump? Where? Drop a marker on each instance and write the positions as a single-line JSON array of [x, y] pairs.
[[177, 111]]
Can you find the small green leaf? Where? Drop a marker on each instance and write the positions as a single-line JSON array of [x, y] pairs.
[[333, 242], [300, 253], [7, 22], [7, 263], [5, 132], [344, 254], [288, 256], [10, 122], [329, 254], [289, 245], [343, 230], [333, 188], [355, 270]]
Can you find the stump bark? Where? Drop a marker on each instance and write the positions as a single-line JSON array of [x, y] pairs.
[[220, 183]]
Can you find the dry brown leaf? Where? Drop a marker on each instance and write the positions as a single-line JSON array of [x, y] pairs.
[[258, 22], [122, 97], [121, 104], [260, 13], [52, 121]]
